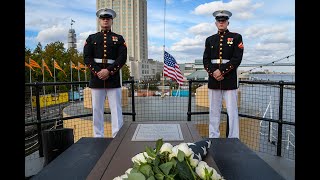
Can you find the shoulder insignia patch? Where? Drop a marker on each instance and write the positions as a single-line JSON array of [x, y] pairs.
[[240, 45]]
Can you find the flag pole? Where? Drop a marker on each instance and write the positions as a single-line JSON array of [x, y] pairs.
[[71, 81], [147, 89], [31, 91], [79, 80], [44, 88], [164, 42], [54, 74], [85, 73]]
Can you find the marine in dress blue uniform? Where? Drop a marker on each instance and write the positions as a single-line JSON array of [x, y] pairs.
[[105, 53], [221, 58]]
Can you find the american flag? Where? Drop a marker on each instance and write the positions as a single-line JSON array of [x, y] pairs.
[[171, 68]]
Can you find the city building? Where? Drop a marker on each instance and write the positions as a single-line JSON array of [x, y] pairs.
[[72, 40], [152, 69], [131, 23]]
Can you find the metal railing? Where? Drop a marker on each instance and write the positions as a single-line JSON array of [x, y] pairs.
[[141, 107], [279, 121]]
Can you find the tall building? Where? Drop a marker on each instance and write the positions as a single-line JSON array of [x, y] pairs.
[[72, 40], [131, 23]]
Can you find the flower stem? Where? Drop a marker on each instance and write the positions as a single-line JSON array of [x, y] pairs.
[[191, 170]]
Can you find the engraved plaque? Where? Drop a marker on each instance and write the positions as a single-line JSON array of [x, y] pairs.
[[153, 132]]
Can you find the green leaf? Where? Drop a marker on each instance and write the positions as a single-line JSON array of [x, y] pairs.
[[150, 152], [156, 161], [135, 170], [136, 165], [157, 170], [146, 169], [211, 172], [174, 161], [181, 155], [151, 178], [159, 143], [136, 176], [149, 160], [166, 167], [184, 171], [159, 176], [170, 177]]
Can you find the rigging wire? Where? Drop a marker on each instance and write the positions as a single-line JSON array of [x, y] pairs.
[[260, 66]]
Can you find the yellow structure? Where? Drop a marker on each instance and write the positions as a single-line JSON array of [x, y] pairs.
[[203, 100], [87, 100], [82, 127], [249, 131], [249, 128], [51, 99]]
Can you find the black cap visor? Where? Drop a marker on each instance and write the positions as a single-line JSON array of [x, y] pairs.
[[106, 16], [223, 18]]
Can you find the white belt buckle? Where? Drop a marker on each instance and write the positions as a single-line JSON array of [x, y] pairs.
[[98, 60]]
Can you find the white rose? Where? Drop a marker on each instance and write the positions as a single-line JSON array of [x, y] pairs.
[[139, 158], [124, 176], [117, 178], [193, 162], [147, 156], [174, 152], [166, 147], [200, 169], [128, 171], [185, 148], [215, 175]]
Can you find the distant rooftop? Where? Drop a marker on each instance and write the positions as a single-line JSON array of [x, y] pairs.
[[198, 75]]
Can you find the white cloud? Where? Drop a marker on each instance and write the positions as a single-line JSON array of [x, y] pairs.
[[203, 29], [241, 9], [82, 38], [278, 38], [263, 30], [169, 1], [189, 44], [53, 34], [267, 27], [272, 47], [40, 15], [276, 8]]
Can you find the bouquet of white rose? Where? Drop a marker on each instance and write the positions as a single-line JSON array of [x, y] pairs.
[[167, 162]]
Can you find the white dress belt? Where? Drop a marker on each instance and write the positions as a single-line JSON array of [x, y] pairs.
[[217, 61], [109, 61]]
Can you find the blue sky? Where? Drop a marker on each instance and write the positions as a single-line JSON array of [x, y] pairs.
[[267, 27]]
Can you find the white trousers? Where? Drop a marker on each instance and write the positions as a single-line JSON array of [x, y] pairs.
[[98, 101], [215, 105]]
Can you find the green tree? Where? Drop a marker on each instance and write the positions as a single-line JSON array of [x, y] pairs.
[[125, 72], [56, 51], [158, 76]]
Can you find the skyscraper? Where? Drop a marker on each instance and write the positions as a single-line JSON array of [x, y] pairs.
[[72, 39], [131, 23]]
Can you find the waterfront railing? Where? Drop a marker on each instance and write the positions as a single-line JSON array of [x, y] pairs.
[[266, 110]]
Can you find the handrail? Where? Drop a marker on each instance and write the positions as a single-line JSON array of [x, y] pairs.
[[279, 121]]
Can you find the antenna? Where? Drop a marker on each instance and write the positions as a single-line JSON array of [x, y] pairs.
[[72, 21], [164, 42]]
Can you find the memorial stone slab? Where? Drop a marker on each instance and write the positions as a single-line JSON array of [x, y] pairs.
[[153, 132]]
